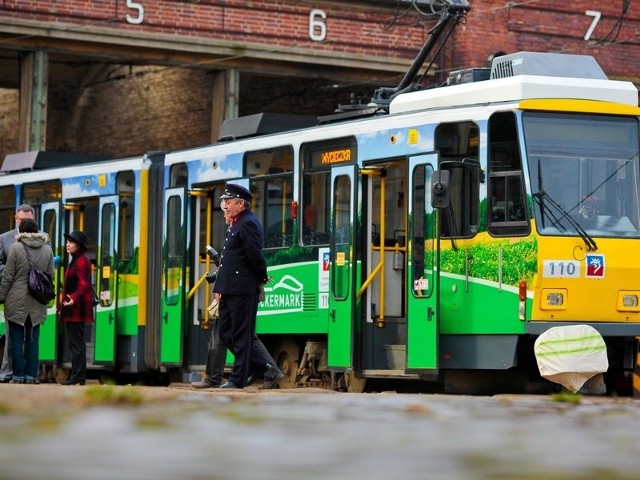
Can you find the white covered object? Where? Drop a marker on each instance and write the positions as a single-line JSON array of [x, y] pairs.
[[571, 355]]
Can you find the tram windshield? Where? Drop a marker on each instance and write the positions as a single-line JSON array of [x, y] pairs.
[[584, 174]]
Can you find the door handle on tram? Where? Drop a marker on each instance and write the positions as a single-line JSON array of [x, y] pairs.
[[332, 314], [430, 314]]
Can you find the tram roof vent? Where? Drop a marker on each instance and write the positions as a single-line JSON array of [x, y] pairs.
[[36, 160], [546, 64], [263, 124]]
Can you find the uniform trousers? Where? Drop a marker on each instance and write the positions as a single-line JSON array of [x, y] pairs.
[[237, 326], [261, 359]]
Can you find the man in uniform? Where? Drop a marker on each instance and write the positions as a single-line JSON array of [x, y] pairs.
[[217, 353], [242, 270]]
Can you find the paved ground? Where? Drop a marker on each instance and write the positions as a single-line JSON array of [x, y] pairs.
[[101, 432]]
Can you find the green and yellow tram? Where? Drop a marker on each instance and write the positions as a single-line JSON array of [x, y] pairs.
[[428, 245]]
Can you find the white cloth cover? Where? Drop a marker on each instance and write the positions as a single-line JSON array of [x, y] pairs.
[[571, 355]]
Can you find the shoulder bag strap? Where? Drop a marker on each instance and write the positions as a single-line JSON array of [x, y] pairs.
[[27, 253]]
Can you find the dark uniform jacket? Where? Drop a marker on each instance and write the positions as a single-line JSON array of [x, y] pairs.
[[242, 265], [77, 284]]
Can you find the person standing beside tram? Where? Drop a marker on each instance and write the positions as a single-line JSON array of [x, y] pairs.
[[23, 312], [76, 307], [242, 270], [7, 239], [262, 361]]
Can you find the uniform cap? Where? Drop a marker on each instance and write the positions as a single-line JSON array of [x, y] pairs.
[[233, 190]]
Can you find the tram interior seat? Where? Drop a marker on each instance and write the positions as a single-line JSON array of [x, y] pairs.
[[276, 240], [507, 211]]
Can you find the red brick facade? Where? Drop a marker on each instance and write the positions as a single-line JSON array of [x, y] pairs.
[[134, 109], [550, 26]]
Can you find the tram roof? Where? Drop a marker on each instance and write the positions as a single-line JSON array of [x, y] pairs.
[[38, 160], [514, 89]]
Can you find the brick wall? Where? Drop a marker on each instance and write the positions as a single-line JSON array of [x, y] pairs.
[[355, 27], [140, 109], [137, 109], [550, 27], [9, 126]]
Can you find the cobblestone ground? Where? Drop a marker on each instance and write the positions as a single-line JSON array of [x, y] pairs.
[[100, 432]]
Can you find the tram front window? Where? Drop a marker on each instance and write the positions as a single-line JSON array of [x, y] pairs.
[[584, 172]]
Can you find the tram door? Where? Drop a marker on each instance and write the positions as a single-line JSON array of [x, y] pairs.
[[342, 268], [50, 224], [173, 276], [421, 287], [106, 281]]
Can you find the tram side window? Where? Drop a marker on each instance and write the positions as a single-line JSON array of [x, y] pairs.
[[179, 175], [271, 173], [317, 159], [458, 144], [174, 248], [107, 251], [126, 191], [316, 206], [506, 209]]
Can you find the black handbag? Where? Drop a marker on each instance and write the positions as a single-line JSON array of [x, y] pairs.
[[39, 282]]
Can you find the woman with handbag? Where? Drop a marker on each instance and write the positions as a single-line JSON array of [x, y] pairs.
[[77, 304], [22, 311]]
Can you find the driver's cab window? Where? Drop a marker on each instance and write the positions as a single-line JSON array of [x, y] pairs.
[[506, 209], [457, 144]]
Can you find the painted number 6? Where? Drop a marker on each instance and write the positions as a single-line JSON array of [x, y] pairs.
[[317, 26]]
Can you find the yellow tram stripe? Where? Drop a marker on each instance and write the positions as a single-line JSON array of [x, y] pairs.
[[143, 249]]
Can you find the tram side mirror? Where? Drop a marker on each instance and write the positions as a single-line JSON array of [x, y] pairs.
[[440, 197]]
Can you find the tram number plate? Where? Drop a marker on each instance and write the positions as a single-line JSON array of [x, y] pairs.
[[561, 269]]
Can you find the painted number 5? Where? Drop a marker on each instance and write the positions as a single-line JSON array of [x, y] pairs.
[[139, 8], [596, 18]]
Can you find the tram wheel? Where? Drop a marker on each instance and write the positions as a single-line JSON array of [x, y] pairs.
[[288, 354], [61, 374], [354, 384]]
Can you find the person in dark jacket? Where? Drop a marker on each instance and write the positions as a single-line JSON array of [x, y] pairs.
[[242, 270], [261, 360], [22, 311], [77, 304]]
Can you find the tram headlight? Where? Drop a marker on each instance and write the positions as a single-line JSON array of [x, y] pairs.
[[553, 299], [628, 301]]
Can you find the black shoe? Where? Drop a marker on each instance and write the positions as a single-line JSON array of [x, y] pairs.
[[205, 383], [17, 381], [230, 386], [32, 382], [72, 381], [251, 380], [6, 380], [272, 378]]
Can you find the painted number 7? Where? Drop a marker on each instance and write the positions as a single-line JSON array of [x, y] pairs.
[[596, 18]]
